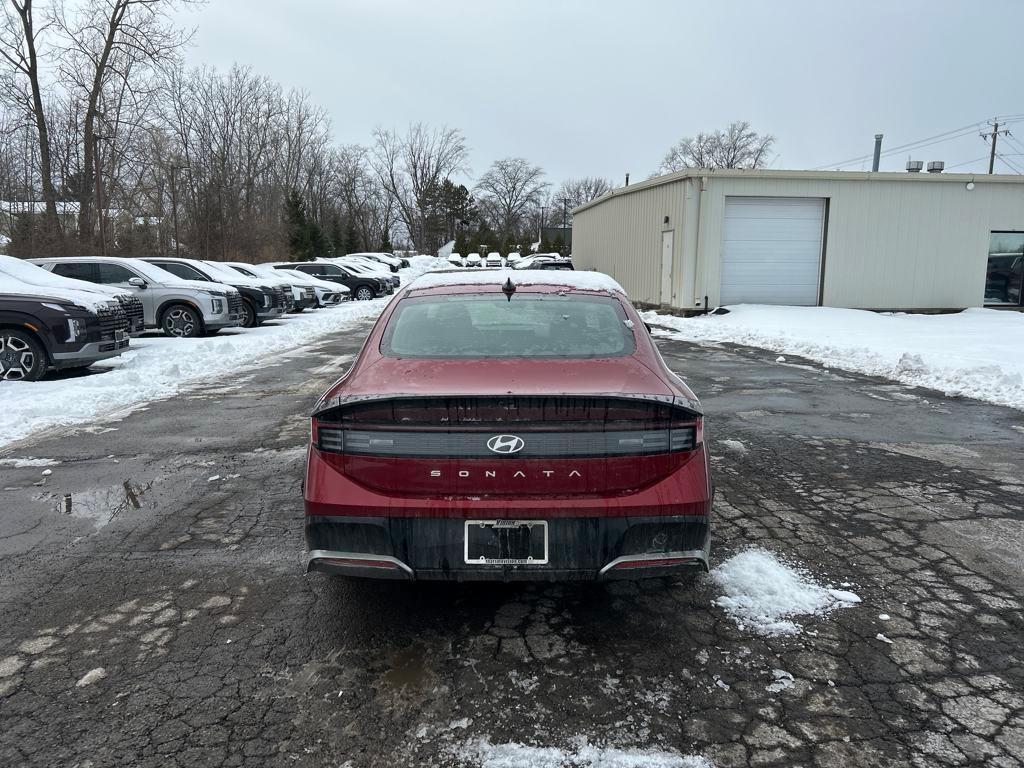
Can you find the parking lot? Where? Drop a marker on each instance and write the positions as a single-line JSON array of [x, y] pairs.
[[156, 614]]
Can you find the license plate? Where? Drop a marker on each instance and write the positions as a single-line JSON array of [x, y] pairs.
[[506, 542]]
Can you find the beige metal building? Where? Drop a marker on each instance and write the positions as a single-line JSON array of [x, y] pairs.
[[839, 239]]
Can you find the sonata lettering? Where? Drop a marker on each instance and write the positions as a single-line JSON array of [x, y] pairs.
[[491, 473]]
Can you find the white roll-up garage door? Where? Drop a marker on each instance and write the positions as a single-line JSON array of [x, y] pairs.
[[771, 250]]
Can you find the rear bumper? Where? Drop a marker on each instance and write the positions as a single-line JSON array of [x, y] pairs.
[[580, 548]]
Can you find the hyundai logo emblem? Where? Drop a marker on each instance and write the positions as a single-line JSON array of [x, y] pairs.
[[506, 444]]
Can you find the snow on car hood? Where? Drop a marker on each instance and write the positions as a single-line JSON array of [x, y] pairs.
[[88, 300], [30, 274]]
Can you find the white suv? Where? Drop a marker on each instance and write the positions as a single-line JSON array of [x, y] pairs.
[[185, 308]]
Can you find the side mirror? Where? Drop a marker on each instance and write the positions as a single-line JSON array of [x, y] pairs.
[[137, 282]]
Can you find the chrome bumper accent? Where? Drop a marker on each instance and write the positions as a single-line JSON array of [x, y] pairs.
[[320, 554], [702, 556]]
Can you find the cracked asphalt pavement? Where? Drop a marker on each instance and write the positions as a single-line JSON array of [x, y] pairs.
[[155, 612]]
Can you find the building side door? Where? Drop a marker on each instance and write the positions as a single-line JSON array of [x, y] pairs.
[[666, 266]]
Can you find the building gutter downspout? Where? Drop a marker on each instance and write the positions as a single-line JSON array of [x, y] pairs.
[[699, 276]]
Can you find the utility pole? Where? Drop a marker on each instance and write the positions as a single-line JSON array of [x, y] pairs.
[[994, 135]]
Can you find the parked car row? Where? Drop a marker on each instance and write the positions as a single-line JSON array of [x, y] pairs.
[[513, 260], [70, 312]]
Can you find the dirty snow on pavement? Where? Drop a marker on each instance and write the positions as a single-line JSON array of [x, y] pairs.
[[581, 755], [764, 594], [974, 353], [157, 367]]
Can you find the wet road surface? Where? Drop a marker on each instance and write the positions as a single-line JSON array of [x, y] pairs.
[[156, 614]]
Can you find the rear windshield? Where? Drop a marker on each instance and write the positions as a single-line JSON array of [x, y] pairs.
[[530, 325]]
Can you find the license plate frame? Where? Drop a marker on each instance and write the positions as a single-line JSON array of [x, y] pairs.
[[498, 524]]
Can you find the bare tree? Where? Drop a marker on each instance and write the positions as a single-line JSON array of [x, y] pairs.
[[738, 146], [110, 40], [411, 169], [572, 193], [19, 46], [508, 189]]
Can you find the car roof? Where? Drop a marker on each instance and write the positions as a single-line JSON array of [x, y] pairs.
[[542, 281]]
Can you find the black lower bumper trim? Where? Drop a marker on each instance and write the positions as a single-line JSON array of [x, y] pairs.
[[580, 549]]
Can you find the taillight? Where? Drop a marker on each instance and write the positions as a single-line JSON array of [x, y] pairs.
[[544, 428]]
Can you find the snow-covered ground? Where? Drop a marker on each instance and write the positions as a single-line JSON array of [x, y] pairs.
[[975, 353], [765, 595], [156, 367], [581, 755]]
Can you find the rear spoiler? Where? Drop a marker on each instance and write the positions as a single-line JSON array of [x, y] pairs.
[[329, 404]]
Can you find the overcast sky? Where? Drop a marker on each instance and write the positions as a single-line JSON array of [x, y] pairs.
[[602, 88]]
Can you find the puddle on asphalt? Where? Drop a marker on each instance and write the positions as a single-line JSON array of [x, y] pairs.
[[102, 505], [408, 668]]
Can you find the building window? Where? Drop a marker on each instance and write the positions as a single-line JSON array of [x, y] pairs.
[[1005, 274]]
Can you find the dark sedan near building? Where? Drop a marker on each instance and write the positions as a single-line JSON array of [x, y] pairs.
[[525, 429]]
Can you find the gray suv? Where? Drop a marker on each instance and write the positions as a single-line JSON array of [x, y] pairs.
[[185, 308]]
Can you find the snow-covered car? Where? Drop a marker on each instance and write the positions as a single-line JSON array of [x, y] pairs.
[[303, 296], [513, 257], [44, 328], [327, 294], [32, 274], [473, 259], [364, 287], [393, 263], [183, 308], [261, 299], [455, 259], [494, 259], [544, 262], [366, 267]]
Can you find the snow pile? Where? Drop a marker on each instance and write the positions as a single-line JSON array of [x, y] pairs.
[[582, 755], [764, 593], [974, 353], [28, 461], [584, 281]]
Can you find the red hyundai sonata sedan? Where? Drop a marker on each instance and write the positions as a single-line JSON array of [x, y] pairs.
[[508, 426]]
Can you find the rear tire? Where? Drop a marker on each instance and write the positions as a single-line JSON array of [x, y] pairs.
[[251, 320], [181, 321], [22, 357], [364, 293]]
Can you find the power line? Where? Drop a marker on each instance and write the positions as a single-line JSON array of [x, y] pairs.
[[938, 138], [1008, 164], [962, 131]]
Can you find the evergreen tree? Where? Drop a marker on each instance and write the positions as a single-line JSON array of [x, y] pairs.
[[559, 245], [385, 242], [352, 242], [545, 244], [461, 243], [337, 242], [296, 226]]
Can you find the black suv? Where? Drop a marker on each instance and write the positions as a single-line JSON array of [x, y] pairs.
[[41, 332], [363, 287]]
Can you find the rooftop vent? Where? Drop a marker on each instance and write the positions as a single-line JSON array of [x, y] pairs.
[[914, 166], [936, 166]]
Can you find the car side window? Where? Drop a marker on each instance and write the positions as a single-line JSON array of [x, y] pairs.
[[78, 270], [183, 271], [307, 268], [114, 274]]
